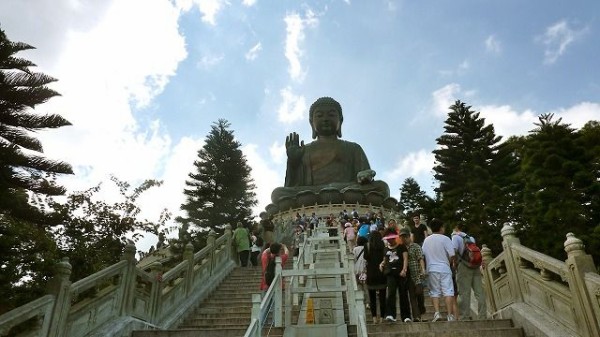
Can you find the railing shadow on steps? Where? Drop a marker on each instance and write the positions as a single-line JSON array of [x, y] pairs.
[[126, 297], [543, 295], [272, 303]]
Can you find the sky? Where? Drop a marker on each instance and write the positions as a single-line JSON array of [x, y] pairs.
[[142, 81]]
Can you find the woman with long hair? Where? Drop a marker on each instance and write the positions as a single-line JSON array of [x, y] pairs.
[[376, 280]]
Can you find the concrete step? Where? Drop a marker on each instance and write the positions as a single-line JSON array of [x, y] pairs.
[[483, 328], [214, 332]]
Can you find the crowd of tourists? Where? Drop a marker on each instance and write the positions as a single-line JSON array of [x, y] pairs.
[[394, 263], [398, 263]]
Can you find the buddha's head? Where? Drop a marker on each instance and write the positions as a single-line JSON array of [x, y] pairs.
[[325, 117]]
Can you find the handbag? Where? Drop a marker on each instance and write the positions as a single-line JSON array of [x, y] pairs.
[[362, 276]]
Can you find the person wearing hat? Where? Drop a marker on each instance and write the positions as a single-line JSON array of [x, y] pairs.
[[395, 267], [349, 236]]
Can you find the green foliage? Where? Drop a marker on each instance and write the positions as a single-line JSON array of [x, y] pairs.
[[220, 191], [414, 199], [90, 232], [21, 90], [464, 167], [561, 188]]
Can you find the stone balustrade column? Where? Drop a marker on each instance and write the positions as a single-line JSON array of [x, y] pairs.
[[488, 285], [508, 239], [210, 242], [128, 280], [188, 255], [256, 299], [60, 287], [278, 308], [351, 292], [156, 271], [232, 251], [578, 264]]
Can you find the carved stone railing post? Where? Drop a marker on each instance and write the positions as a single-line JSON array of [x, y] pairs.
[[188, 255], [210, 242], [256, 299], [508, 239], [156, 270], [230, 244], [60, 287], [486, 254], [277, 314], [579, 263], [128, 281]]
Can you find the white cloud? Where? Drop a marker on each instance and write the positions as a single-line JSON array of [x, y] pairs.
[[208, 8], [278, 152], [118, 58], [413, 165], [508, 122], [493, 45], [249, 3], [557, 38], [209, 61], [292, 107], [252, 54], [459, 70], [444, 97], [295, 26], [265, 178]]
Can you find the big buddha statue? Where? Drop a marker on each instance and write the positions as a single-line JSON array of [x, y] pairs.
[[327, 169]]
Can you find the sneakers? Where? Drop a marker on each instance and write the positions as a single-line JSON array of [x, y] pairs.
[[390, 319], [451, 318], [436, 316], [407, 320]]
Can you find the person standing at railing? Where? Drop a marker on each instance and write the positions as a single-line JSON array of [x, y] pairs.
[[275, 249], [241, 239]]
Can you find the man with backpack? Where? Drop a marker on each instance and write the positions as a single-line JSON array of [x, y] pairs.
[[468, 275]]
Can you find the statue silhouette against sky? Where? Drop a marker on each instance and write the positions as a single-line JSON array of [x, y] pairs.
[[327, 162]]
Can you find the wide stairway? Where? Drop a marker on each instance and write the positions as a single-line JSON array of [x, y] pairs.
[[226, 312], [441, 328]]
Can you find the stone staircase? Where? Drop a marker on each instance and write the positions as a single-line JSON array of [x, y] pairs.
[[225, 313], [441, 328]]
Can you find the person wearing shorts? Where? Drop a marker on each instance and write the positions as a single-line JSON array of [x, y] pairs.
[[439, 256]]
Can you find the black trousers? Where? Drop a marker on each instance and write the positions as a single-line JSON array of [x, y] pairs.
[[398, 284], [243, 255], [375, 294], [254, 258]]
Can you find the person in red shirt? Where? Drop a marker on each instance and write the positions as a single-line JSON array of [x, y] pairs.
[[274, 250]]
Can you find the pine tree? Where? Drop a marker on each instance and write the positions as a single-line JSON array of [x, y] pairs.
[[220, 191], [413, 198], [463, 167], [553, 197], [21, 90]]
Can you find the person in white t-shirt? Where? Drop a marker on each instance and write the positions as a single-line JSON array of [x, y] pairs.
[[439, 256]]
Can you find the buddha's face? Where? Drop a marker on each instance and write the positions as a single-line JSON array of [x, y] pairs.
[[326, 120]]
